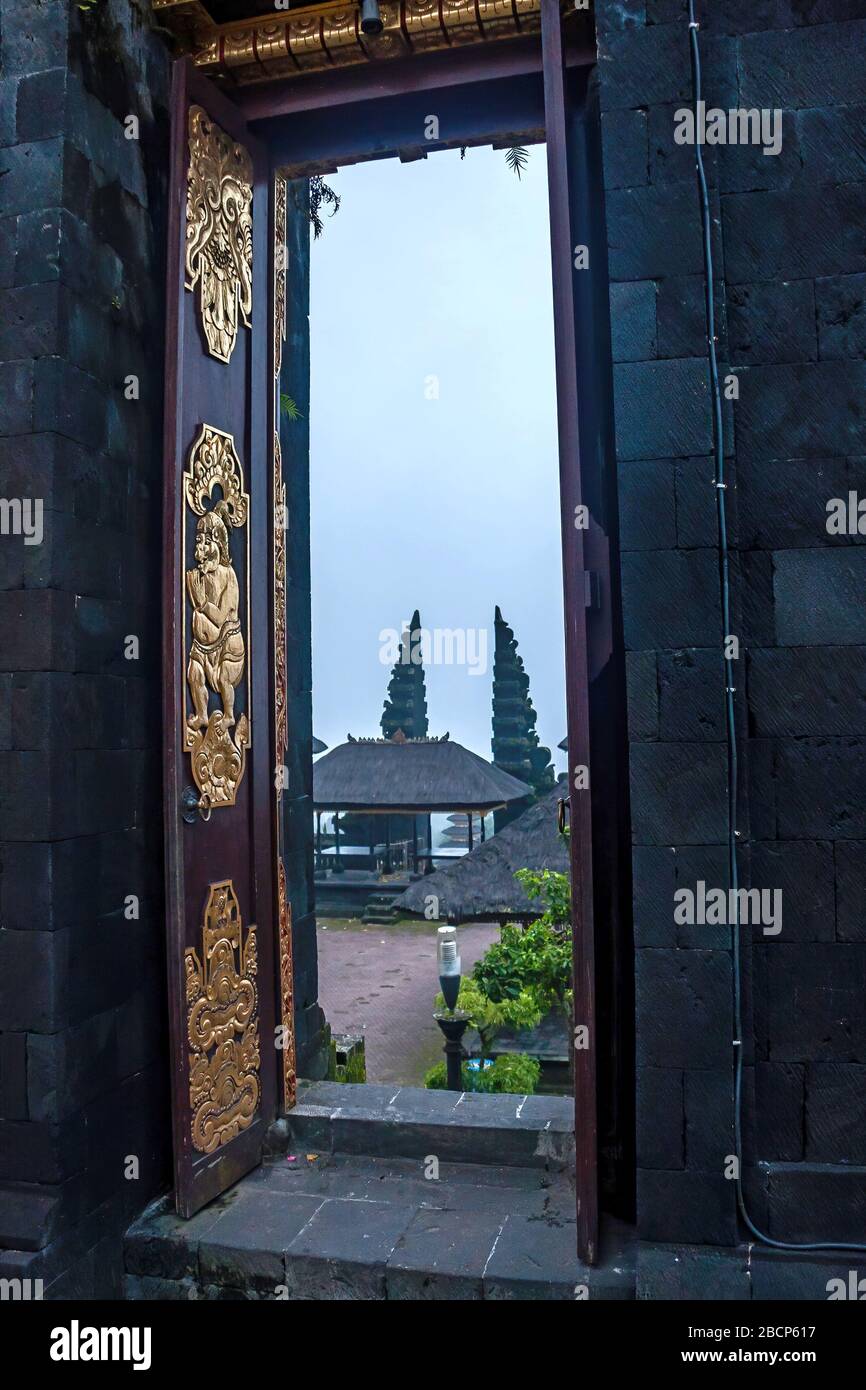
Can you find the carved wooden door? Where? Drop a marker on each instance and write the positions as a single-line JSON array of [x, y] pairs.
[[219, 655]]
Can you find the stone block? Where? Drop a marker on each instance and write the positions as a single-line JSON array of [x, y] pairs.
[[833, 579], [836, 1113], [633, 320], [246, 1246], [678, 793], [697, 518], [782, 503], [651, 620], [788, 866], [16, 397], [815, 1202], [647, 506], [643, 715], [691, 686], [660, 1118], [841, 316], [343, 1250], [709, 1118], [662, 409], [798, 692], [32, 176], [779, 1112], [772, 322], [653, 232], [695, 1208], [816, 1004], [823, 65], [680, 1273], [682, 316], [800, 410], [442, 1255], [624, 146], [764, 233], [41, 104], [693, 1029], [850, 890]]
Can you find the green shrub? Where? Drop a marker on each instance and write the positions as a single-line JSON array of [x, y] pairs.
[[436, 1078], [513, 1073], [487, 1016]]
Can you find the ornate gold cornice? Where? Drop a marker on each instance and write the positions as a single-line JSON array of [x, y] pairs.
[[329, 35]]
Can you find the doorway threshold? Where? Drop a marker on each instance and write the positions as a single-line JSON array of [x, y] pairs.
[[385, 1192]]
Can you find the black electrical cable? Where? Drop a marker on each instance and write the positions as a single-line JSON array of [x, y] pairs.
[[724, 584]]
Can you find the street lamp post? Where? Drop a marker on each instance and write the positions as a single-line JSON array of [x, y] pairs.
[[453, 1025]]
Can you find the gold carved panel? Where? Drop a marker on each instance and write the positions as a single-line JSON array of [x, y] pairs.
[[222, 1023], [281, 733], [216, 642], [219, 232], [287, 990]]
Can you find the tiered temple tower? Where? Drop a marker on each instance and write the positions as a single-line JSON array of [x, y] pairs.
[[515, 744]]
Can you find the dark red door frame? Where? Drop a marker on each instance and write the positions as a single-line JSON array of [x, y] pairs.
[[505, 93], [576, 655], [236, 841]]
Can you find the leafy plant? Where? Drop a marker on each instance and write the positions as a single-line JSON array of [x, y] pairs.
[[437, 1078], [517, 158], [487, 1016], [534, 961], [288, 407], [321, 195], [511, 1073], [553, 889]]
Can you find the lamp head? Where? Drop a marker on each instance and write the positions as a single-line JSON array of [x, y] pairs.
[[371, 20]]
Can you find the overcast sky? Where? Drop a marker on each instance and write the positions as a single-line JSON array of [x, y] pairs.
[[434, 276]]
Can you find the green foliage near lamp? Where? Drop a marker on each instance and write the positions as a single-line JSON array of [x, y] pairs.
[[511, 1073], [488, 1015], [518, 980]]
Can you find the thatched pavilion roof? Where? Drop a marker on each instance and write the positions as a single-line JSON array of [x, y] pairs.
[[481, 886], [402, 775]]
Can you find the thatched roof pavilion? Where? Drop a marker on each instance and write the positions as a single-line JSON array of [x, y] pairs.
[[481, 886], [401, 776]]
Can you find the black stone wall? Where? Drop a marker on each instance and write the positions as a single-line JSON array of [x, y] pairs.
[[84, 1126], [790, 265]]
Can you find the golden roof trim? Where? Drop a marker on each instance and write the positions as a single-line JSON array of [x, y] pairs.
[[328, 35]]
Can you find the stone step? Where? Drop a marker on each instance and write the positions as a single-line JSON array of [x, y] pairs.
[[412, 1122], [338, 1226]]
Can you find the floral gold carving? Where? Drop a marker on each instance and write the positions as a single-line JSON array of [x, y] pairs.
[[222, 1023], [287, 990], [219, 231]]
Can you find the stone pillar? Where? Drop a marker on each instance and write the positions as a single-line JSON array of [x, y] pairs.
[[84, 1122]]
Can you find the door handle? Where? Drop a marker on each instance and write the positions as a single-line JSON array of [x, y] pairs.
[[192, 805]]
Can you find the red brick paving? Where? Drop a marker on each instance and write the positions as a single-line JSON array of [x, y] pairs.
[[381, 981]]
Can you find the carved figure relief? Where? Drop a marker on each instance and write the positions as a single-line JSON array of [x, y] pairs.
[[216, 655], [219, 232], [222, 1023]]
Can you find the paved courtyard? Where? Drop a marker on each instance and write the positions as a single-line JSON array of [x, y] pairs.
[[381, 981]]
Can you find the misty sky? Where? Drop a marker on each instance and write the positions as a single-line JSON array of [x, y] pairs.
[[436, 269]]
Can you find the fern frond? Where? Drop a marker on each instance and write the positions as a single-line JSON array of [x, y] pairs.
[[517, 158]]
